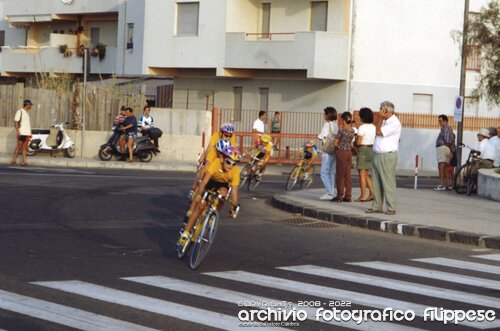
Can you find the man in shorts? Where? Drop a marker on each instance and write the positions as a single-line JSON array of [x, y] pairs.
[[445, 147], [22, 125], [129, 126]]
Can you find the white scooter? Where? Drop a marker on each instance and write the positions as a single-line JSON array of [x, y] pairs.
[[54, 139]]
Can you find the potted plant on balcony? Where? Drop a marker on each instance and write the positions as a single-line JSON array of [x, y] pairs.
[[99, 50]]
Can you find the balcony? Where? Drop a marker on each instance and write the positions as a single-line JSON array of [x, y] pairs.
[[50, 59], [323, 55]]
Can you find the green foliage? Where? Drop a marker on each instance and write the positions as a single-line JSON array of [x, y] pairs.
[[484, 31]]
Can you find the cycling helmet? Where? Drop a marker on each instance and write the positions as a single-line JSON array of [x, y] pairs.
[[232, 153], [221, 145], [227, 128], [265, 138], [309, 143]]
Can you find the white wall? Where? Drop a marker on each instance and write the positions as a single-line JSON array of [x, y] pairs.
[[43, 7], [131, 61]]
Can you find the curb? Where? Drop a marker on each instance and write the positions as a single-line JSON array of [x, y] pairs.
[[412, 230]]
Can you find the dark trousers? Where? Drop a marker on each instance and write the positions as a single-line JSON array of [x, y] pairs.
[[344, 179]]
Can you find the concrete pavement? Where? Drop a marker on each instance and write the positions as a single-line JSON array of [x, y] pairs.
[[424, 213]]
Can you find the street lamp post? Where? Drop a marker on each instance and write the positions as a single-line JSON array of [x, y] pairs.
[[463, 72]]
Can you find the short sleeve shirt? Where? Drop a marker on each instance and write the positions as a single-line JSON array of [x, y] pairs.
[[25, 125], [212, 154], [217, 173], [346, 139], [131, 120], [258, 125], [368, 132]]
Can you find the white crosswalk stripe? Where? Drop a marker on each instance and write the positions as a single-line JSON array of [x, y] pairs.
[[166, 308], [398, 285], [492, 257], [63, 315], [235, 297], [432, 274], [461, 264], [333, 293]]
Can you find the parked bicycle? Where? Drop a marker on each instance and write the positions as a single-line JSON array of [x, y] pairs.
[[301, 176], [249, 174], [465, 180], [204, 230]]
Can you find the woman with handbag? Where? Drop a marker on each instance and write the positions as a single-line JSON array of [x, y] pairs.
[[327, 136]]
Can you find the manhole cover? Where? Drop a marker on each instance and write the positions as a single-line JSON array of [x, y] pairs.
[[307, 222]]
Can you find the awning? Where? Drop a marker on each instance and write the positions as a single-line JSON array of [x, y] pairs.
[[29, 18]]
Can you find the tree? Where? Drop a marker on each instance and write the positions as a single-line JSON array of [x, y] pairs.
[[484, 31]]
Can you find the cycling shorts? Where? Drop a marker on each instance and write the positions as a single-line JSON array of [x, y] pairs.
[[214, 185]]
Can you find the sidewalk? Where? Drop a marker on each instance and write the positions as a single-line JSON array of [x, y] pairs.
[[424, 213]]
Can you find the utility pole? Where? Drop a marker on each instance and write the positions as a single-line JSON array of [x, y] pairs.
[[84, 105], [460, 128]]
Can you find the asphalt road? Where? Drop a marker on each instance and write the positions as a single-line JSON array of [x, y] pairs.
[[94, 250]]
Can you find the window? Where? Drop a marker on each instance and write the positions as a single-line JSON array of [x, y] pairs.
[[319, 15], [95, 36], [130, 35], [266, 20], [238, 102], [264, 98], [187, 18], [2, 39], [422, 103]]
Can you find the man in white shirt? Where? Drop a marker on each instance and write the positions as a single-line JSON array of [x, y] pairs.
[[496, 142], [22, 125], [486, 148], [258, 127], [385, 159]]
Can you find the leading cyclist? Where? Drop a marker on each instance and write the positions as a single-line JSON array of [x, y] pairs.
[[219, 176]]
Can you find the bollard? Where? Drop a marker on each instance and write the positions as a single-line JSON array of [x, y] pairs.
[[287, 152], [416, 172]]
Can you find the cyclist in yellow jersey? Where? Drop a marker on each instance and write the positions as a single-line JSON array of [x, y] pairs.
[[221, 174], [226, 133], [263, 152], [308, 153]]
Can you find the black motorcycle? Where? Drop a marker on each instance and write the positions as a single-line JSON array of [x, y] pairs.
[[143, 149]]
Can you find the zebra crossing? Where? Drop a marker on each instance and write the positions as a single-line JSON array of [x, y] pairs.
[[477, 290]]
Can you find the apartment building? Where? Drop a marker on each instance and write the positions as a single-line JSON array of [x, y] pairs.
[[299, 55]]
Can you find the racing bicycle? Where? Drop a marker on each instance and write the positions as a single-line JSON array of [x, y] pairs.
[[204, 230], [298, 175], [465, 180], [248, 174]]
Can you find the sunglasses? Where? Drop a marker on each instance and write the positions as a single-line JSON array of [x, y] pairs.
[[229, 162], [227, 135]]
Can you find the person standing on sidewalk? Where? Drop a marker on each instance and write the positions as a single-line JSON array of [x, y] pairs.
[[329, 130], [344, 145], [445, 147], [275, 125], [385, 159], [364, 141], [22, 125], [258, 127]]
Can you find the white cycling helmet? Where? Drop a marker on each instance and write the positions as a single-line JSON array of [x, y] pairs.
[[222, 145]]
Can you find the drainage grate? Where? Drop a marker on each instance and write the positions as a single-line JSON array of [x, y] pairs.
[[308, 223]]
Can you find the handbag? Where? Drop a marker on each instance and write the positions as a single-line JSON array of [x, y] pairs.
[[329, 142]]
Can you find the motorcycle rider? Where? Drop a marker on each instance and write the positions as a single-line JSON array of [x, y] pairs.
[[129, 126], [117, 123]]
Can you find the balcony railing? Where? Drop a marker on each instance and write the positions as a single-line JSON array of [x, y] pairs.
[[322, 55], [50, 59], [473, 58]]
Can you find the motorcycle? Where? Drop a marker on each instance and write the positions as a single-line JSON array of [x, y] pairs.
[[53, 139], [143, 149]]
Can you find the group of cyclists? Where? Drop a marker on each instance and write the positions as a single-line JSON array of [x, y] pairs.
[[218, 172]]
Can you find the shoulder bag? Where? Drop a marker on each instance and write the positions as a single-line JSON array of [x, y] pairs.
[[329, 141]]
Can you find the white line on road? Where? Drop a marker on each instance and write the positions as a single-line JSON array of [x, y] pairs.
[[493, 257], [428, 273], [442, 261], [397, 285], [334, 294], [166, 308], [62, 315], [236, 297]]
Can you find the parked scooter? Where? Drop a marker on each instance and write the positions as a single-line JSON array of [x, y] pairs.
[[53, 139], [143, 149]]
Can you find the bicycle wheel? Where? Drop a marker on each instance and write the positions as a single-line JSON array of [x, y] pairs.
[[204, 241], [252, 182], [460, 180], [472, 183], [305, 183], [293, 178], [245, 173]]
